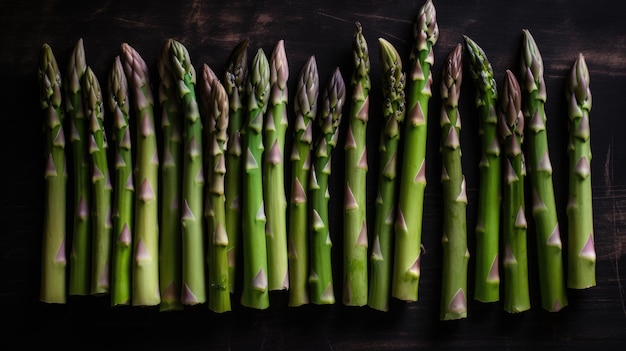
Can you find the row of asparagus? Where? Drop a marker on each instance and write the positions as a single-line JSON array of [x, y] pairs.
[[163, 227]]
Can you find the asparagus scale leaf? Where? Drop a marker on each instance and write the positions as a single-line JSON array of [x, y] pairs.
[[394, 100], [80, 257], [454, 238], [408, 233], [514, 225], [581, 265], [549, 247], [355, 223], [145, 266], [53, 259], [487, 274], [124, 188], [305, 107]]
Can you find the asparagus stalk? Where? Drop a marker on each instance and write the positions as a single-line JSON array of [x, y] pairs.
[[170, 263], [214, 106], [193, 255], [235, 83], [305, 106], [515, 262], [255, 284], [393, 82], [406, 271], [101, 185], [274, 171], [551, 274], [145, 266], [321, 277], [80, 256], [124, 191], [487, 275], [53, 259], [581, 265], [454, 238], [355, 223]]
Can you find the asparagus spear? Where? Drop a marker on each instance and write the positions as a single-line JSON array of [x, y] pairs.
[[214, 108], [101, 184], [581, 265], [145, 266], [53, 259], [80, 256], [454, 238], [170, 263], [193, 278], [235, 83], [393, 82], [305, 106], [487, 275], [551, 275], [406, 271], [511, 127], [124, 191], [321, 277], [355, 223], [255, 284], [274, 171]]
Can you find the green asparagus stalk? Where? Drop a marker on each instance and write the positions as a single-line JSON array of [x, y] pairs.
[[487, 275], [393, 82], [145, 266], [305, 106], [355, 223], [581, 265], [454, 238], [80, 256], [406, 271], [515, 262], [274, 171], [255, 283], [193, 255], [214, 106], [101, 185], [53, 259], [170, 262], [321, 275], [124, 189], [235, 83], [551, 274]]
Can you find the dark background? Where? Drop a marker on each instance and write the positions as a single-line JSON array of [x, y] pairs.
[[595, 317]]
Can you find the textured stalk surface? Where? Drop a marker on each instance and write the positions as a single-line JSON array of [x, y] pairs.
[[454, 238], [53, 258], [487, 273], [515, 261], [124, 188], [80, 256], [407, 252], [305, 106], [355, 215], [274, 171], [214, 108], [581, 252], [381, 258], [101, 185], [192, 207], [255, 284], [235, 79], [145, 266], [170, 251], [321, 274], [539, 167]]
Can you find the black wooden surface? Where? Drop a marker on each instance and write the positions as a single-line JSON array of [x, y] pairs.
[[210, 29]]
